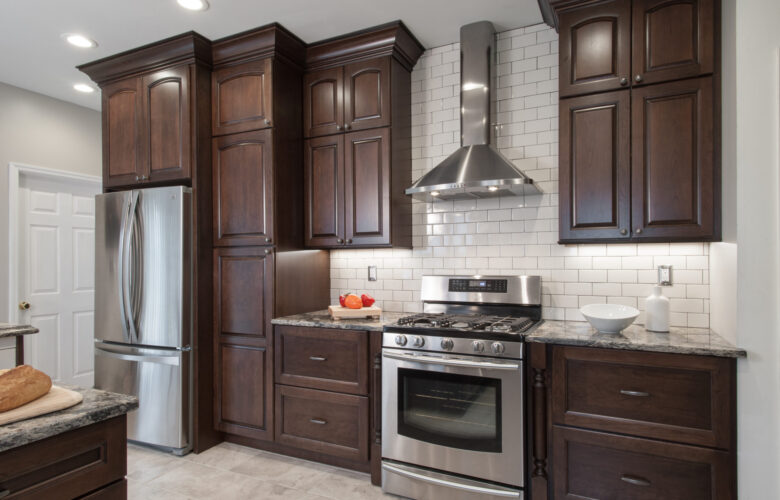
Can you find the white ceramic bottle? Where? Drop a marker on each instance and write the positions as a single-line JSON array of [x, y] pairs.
[[657, 311]]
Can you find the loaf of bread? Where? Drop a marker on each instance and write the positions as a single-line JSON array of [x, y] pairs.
[[20, 385]]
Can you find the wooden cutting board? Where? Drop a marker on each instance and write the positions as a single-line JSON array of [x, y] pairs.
[[56, 399], [339, 312]]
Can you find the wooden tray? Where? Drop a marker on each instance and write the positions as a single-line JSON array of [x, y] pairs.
[[339, 312], [56, 399]]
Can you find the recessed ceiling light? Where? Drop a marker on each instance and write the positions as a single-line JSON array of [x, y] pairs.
[[79, 40], [83, 87], [194, 4]]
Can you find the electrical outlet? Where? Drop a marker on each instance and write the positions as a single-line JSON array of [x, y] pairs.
[[371, 273], [665, 275]]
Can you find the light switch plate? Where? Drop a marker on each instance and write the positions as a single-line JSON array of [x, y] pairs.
[[371, 273], [665, 275]]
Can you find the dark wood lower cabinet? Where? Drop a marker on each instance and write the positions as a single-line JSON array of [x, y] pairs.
[[614, 424], [90, 462], [591, 464]]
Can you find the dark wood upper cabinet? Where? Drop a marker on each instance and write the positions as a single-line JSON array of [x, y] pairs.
[[323, 102], [243, 189], [122, 132], [672, 39], [673, 167], [241, 97], [595, 43], [367, 187], [595, 169], [324, 181], [166, 116], [367, 94]]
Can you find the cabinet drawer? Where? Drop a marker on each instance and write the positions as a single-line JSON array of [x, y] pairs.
[[591, 464], [322, 358], [324, 422], [674, 397]]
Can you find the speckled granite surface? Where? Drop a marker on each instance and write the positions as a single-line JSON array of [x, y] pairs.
[[322, 319], [96, 407], [700, 341], [7, 330]]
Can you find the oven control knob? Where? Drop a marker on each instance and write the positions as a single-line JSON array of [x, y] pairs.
[[400, 339], [418, 341], [447, 344], [498, 348], [478, 346]]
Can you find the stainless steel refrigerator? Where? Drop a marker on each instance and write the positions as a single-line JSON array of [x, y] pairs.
[[143, 309]]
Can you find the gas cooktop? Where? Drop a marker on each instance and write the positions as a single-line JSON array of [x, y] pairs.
[[468, 322]]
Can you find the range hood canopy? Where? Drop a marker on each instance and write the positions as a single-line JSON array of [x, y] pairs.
[[476, 169]]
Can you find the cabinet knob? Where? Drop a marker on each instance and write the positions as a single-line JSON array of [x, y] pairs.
[[638, 78], [137, 178], [624, 231], [267, 251], [347, 126], [267, 121], [638, 230], [268, 240], [338, 127], [349, 241], [339, 241], [624, 81]]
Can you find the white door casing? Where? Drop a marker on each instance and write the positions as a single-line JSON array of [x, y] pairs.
[[52, 268]]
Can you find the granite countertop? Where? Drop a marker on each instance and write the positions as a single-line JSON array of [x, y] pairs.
[[322, 319], [96, 407], [700, 341], [7, 330]]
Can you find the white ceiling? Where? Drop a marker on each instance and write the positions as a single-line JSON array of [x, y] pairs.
[[34, 57]]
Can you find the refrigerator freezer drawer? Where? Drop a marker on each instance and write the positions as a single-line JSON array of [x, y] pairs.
[[159, 378]]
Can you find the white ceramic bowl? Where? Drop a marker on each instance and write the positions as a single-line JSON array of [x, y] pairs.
[[609, 318]]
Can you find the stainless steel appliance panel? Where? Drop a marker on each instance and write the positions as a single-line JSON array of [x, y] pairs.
[[110, 224], [520, 290], [504, 464], [414, 482], [143, 270], [159, 379]]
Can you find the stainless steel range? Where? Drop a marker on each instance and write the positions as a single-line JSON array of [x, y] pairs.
[[452, 389]]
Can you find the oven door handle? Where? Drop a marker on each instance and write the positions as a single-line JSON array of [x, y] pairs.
[[461, 363], [506, 493]]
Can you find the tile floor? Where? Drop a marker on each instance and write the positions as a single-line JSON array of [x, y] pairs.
[[229, 471]]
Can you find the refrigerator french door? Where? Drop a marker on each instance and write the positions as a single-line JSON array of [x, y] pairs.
[[143, 308]]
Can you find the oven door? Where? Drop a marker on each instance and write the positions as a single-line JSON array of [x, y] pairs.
[[459, 414]]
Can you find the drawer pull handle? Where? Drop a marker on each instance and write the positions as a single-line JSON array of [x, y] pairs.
[[636, 394], [317, 358], [635, 480], [318, 421]]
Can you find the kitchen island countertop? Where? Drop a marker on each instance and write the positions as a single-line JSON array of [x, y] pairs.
[[97, 406], [321, 319]]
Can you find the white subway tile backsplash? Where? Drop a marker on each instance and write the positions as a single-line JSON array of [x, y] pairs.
[[514, 235]]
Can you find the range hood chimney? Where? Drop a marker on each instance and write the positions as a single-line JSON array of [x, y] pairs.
[[476, 169]]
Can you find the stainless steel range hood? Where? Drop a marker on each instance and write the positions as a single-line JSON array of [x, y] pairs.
[[477, 169]]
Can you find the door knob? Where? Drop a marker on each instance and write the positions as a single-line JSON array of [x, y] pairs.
[[24, 305]]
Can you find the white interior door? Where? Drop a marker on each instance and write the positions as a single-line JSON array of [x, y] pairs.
[[56, 256]]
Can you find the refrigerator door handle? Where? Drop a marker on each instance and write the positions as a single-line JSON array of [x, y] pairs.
[[154, 356], [121, 273], [126, 276]]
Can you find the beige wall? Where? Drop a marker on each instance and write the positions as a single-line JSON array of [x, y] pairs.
[[44, 132]]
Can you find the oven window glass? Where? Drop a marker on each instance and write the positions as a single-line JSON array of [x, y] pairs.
[[458, 411]]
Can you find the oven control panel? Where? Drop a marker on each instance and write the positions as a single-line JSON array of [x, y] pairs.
[[477, 285]]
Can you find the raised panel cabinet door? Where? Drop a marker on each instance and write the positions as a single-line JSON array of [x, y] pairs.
[[244, 403], [595, 167], [241, 97], [672, 39], [323, 102], [243, 295], [243, 189], [673, 167], [595, 48], [122, 132], [324, 199], [367, 187], [367, 94], [166, 124]]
